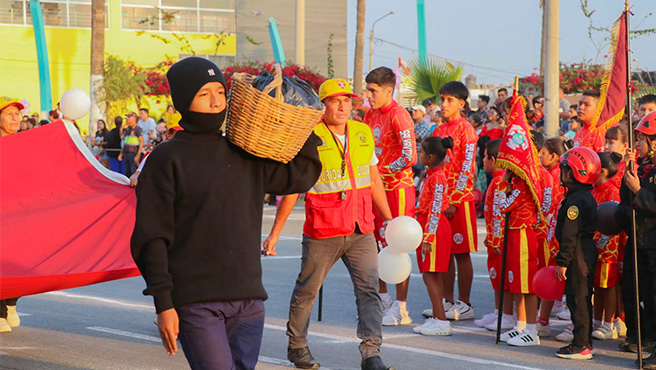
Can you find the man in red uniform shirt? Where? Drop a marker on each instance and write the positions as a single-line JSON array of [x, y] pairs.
[[396, 150], [588, 136], [460, 167]]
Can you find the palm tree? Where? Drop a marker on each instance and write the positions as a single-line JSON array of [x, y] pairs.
[[359, 49], [428, 77], [97, 63]]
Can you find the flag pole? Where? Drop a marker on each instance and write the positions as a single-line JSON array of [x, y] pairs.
[[505, 248], [629, 112]]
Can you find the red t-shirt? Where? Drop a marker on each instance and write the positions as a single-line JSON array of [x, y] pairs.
[[590, 138], [432, 201], [460, 162], [617, 179], [519, 202], [396, 148]]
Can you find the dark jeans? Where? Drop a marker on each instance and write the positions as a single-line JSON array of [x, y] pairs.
[[128, 164], [360, 255], [3, 306], [578, 289], [222, 335], [116, 165], [647, 285]]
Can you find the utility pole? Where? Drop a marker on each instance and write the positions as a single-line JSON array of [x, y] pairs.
[[552, 70], [543, 46], [421, 31], [97, 65], [359, 49], [300, 32], [371, 39]]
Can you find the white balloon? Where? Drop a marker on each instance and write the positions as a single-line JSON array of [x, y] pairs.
[[393, 267], [404, 234], [75, 104]]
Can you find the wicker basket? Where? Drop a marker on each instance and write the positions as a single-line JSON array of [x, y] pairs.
[[265, 126]]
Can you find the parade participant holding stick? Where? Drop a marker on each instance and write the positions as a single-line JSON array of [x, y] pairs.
[[9, 124], [396, 150], [338, 225], [201, 265], [589, 136]]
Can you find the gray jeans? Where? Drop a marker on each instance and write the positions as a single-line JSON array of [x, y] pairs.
[[360, 255]]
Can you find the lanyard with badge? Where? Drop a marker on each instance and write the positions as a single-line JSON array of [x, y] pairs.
[[342, 152]]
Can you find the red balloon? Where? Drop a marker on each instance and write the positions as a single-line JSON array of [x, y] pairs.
[[547, 286]]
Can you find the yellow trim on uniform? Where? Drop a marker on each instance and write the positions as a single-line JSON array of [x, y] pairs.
[[546, 251], [433, 256], [603, 278], [523, 260], [470, 230], [402, 202]]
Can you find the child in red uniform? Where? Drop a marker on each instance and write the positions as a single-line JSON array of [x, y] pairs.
[[605, 297], [460, 168], [521, 258], [617, 140], [494, 224], [550, 159], [396, 150], [434, 254], [586, 136]]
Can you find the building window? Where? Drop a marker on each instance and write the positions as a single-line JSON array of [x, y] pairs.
[[56, 13], [189, 16]]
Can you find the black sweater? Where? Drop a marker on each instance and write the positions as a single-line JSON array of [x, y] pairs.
[[199, 217]]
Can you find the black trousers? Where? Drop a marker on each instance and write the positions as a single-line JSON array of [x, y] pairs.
[[578, 290], [647, 285], [3, 306]]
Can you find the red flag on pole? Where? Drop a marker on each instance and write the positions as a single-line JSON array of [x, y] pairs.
[[517, 152], [613, 88]]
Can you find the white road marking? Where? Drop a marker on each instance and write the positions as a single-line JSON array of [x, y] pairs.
[[412, 350], [141, 306], [281, 258], [124, 333], [264, 236]]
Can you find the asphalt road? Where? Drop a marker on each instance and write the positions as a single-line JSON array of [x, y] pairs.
[[110, 326]]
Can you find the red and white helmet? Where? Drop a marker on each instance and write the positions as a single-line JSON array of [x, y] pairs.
[[585, 164], [647, 124]]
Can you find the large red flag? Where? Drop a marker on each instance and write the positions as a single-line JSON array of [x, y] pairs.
[[614, 85], [65, 221], [517, 152]]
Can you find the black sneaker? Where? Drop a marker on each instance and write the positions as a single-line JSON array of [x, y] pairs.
[[375, 363], [624, 345], [647, 347], [302, 358], [573, 352]]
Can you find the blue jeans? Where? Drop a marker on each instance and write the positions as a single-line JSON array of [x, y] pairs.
[[222, 335]]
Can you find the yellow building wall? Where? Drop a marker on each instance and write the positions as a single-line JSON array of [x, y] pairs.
[[69, 53]]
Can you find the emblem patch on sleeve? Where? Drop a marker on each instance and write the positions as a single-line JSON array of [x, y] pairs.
[[573, 213]]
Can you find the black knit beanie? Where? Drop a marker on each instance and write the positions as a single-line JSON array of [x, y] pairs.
[[187, 76]]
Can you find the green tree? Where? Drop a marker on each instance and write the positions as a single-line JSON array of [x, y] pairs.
[[427, 78], [121, 85]]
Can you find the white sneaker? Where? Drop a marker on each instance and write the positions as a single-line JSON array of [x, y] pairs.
[[4, 326], [434, 327], [429, 311], [387, 304], [506, 324], [512, 333], [605, 332], [620, 326], [544, 330], [566, 335], [564, 315], [396, 316], [525, 339], [555, 310], [460, 311], [12, 317], [486, 319]]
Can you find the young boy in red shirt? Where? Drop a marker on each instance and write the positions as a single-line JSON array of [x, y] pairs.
[[396, 150], [460, 169]]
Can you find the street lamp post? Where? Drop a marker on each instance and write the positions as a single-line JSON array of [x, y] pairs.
[[371, 39]]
